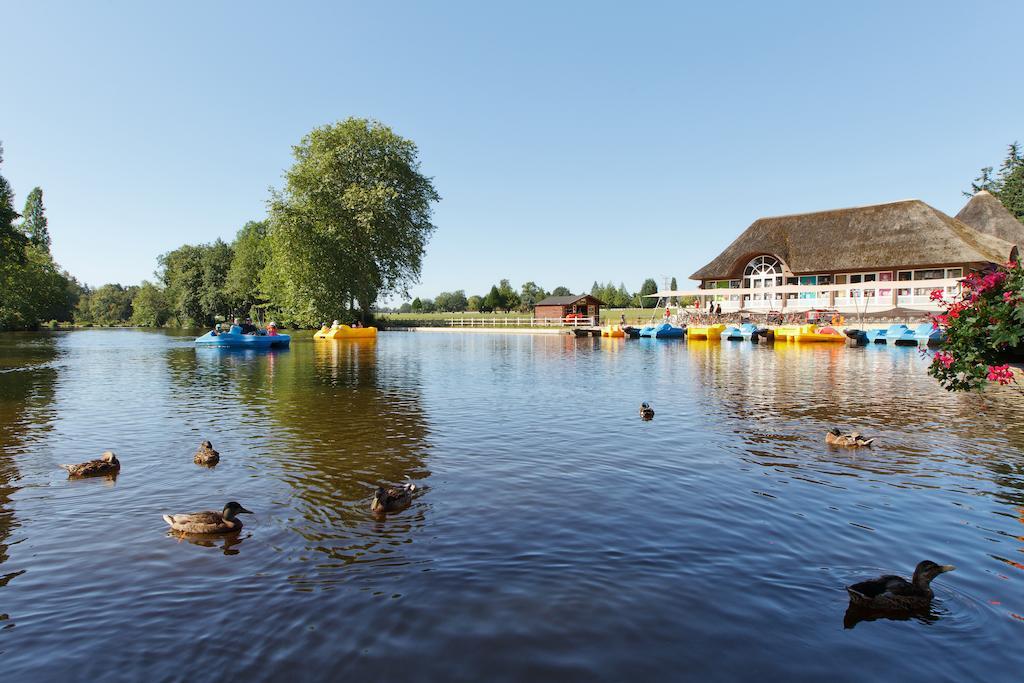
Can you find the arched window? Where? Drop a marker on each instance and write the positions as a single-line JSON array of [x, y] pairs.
[[761, 272], [763, 265]]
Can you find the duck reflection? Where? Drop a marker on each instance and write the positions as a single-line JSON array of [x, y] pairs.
[[228, 544], [855, 614]]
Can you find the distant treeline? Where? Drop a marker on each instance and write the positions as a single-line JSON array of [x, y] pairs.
[[505, 298], [350, 226]]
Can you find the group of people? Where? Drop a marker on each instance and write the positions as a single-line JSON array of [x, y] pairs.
[[335, 325], [247, 327]]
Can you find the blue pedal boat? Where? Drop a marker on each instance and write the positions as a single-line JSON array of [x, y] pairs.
[[647, 331], [742, 332], [928, 334], [666, 331], [890, 334], [236, 340]]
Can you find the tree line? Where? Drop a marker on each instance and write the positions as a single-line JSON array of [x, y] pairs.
[[1006, 184], [505, 298], [349, 227]]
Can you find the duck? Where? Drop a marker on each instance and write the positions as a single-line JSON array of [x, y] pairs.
[[206, 455], [392, 499], [646, 411], [896, 593], [106, 464], [209, 522], [834, 437]]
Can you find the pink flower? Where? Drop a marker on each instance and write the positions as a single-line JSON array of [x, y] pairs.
[[1011, 264], [936, 295], [944, 359], [1007, 297], [1000, 373], [939, 319]]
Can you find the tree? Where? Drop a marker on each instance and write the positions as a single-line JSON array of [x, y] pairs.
[[417, 305], [451, 302], [531, 293], [12, 240], [509, 296], [562, 291], [473, 303], [194, 277], [149, 306], [251, 254], [34, 220], [1008, 185], [110, 304], [648, 287], [352, 222], [674, 287], [493, 301]]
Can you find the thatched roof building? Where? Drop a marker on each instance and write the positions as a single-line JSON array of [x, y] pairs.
[[987, 214], [878, 257], [899, 235]]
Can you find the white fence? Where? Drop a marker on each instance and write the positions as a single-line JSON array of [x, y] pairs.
[[477, 321]]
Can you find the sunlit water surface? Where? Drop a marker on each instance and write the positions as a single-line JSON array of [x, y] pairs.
[[558, 537]]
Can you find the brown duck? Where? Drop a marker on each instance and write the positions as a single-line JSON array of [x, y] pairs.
[[896, 593], [105, 465], [646, 411], [206, 455], [834, 437], [392, 499], [209, 522]]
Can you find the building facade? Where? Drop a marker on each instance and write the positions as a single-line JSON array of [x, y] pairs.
[[869, 258], [582, 305]]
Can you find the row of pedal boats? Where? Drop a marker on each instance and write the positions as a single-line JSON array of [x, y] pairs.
[[900, 335]]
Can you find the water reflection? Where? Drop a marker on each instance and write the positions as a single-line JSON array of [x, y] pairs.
[[855, 615], [27, 376]]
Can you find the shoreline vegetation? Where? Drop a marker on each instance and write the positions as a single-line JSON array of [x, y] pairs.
[[355, 205]]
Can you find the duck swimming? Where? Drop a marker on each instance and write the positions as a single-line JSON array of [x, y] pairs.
[[646, 411], [896, 593], [392, 499], [209, 522], [106, 464], [834, 437], [206, 455]]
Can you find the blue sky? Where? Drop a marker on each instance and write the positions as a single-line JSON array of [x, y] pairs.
[[569, 141]]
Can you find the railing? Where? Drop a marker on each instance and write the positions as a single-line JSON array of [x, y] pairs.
[[476, 321]]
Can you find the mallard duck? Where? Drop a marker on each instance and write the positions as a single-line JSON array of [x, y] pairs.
[[209, 522], [834, 437], [206, 455], [646, 411], [392, 498], [896, 593], [106, 464]]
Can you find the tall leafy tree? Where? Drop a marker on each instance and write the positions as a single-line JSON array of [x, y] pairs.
[[1007, 184], [562, 291], [352, 221], [34, 220], [530, 294], [251, 255], [149, 306], [12, 240], [648, 287]]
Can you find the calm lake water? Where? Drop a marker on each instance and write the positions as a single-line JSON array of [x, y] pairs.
[[559, 537]]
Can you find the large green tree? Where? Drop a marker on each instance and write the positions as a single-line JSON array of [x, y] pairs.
[[194, 278], [648, 287], [251, 255], [352, 222], [149, 306], [1007, 184], [562, 291], [34, 220], [12, 240]]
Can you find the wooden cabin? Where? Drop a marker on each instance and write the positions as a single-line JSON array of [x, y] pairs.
[[583, 305]]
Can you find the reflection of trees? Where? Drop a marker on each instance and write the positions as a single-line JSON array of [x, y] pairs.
[[27, 378], [332, 419]]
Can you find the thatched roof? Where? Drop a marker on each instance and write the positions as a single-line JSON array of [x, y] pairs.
[[904, 234], [985, 213], [568, 300]]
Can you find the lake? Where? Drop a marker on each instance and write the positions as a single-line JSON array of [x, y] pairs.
[[557, 537]]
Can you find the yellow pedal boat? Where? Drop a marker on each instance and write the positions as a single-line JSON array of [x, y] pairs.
[[808, 333], [612, 331], [709, 332], [346, 332]]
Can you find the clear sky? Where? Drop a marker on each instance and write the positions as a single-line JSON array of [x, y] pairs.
[[569, 141]]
